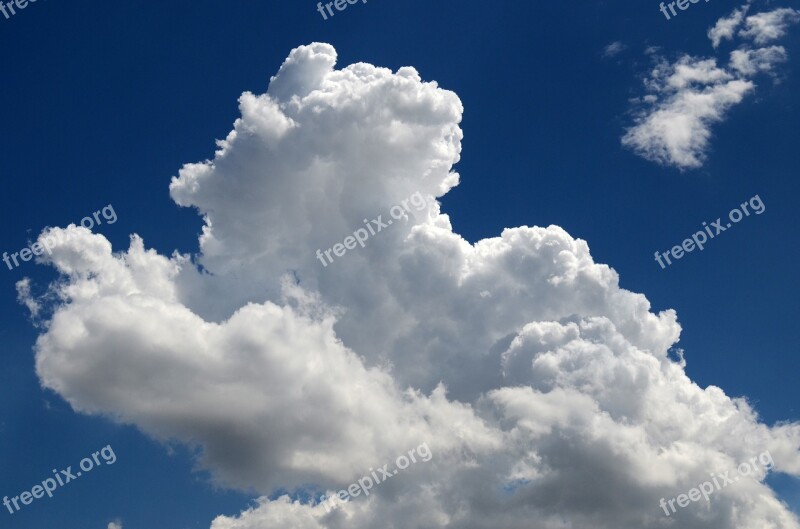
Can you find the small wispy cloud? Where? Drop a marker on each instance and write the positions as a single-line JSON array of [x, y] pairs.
[[613, 49], [686, 97], [766, 27], [751, 62], [725, 28]]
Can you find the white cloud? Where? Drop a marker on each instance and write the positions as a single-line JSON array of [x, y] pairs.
[[751, 62], [562, 406], [726, 27], [768, 26], [23, 287], [114, 525], [685, 98], [613, 49]]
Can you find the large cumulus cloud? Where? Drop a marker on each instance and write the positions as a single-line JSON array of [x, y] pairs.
[[549, 396]]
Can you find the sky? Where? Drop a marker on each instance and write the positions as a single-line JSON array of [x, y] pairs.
[[515, 322]]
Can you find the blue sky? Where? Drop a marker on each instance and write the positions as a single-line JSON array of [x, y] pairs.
[[104, 102]]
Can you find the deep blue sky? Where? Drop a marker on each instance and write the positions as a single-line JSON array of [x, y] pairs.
[[102, 102]]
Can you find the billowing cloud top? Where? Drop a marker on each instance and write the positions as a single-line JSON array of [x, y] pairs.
[[547, 394]]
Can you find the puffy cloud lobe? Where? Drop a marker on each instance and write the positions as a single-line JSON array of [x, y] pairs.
[[562, 405], [272, 381], [672, 125], [367, 139], [592, 405]]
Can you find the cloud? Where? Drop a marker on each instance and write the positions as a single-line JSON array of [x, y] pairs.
[[751, 62], [613, 49], [23, 287], [766, 27], [114, 525], [725, 28], [685, 98], [548, 395]]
